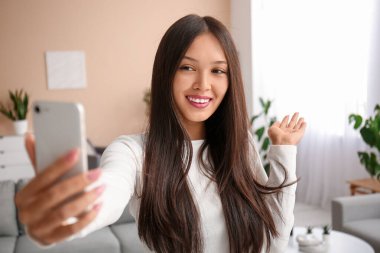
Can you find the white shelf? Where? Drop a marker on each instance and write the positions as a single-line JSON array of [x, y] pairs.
[[14, 160]]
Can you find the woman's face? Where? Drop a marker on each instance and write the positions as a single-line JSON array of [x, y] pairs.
[[201, 80]]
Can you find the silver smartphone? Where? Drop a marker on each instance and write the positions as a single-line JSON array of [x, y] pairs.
[[58, 128]]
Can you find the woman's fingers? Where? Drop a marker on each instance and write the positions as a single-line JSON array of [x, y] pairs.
[[293, 121], [46, 178], [74, 208], [303, 127], [62, 232], [284, 121], [289, 133], [78, 206], [299, 124], [46, 202], [60, 192], [66, 231], [30, 148]]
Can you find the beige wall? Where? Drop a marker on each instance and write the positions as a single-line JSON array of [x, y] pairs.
[[119, 38]]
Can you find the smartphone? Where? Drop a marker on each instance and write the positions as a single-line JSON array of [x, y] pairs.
[[58, 128]]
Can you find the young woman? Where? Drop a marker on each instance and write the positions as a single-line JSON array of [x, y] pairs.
[[194, 180]]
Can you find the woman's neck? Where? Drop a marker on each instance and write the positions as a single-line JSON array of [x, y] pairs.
[[195, 130]]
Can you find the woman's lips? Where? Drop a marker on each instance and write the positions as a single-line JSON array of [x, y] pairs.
[[199, 101]]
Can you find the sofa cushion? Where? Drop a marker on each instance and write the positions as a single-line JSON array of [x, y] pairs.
[[129, 238], [99, 241], [21, 184], [8, 244], [8, 223], [125, 217], [368, 230]]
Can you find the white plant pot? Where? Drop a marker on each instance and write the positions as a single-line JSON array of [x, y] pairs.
[[20, 127], [326, 238]]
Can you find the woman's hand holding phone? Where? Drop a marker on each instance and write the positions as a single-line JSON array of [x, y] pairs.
[[46, 202]]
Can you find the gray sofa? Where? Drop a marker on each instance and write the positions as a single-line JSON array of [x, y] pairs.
[[119, 237], [359, 216]]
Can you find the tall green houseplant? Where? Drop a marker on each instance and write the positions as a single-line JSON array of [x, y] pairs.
[[261, 132], [370, 133]]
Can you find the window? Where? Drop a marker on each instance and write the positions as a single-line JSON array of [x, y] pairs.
[[312, 56]]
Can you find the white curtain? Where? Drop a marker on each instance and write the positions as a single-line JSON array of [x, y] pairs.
[[312, 56]]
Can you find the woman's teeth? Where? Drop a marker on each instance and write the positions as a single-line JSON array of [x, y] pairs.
[[199, 100]]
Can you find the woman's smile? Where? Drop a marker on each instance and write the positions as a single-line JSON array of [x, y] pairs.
[[199, 101]]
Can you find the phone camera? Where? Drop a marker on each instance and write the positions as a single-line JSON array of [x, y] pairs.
[[37, 109]]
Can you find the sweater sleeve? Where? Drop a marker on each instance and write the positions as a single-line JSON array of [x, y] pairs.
[[282, 158], [119, 164]]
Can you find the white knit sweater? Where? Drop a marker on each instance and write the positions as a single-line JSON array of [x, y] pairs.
[[122, 172]]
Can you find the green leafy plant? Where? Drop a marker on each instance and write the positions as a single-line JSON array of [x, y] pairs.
[[370, 133], [20, 102], [147, 100], [261, 132], [147, 97]]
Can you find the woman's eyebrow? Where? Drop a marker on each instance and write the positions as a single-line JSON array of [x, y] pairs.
[[195, 60]]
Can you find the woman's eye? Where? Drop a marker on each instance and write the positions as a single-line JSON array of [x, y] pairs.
[[218, 71], [187, 68]]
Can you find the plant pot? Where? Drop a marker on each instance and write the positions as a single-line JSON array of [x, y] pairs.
[[20, 127], [326, 238]]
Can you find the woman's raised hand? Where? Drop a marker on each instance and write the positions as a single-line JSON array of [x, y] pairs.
[[45, 203], [287, 133]]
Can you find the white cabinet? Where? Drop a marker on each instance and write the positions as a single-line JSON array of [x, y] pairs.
[[14, 160]]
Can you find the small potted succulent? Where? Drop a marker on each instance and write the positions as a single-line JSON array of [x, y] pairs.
[[326, 233], [17, 111], [308, 241]]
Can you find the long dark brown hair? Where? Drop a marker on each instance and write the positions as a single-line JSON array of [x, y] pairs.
[[168, 219]]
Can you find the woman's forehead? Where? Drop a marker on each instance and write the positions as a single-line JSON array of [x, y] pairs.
[[206, 47]]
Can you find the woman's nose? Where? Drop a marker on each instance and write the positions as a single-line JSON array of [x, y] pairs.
[[202, 82]]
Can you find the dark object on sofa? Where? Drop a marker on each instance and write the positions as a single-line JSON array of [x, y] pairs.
[[93, 155], [120, 237], [359, 216]]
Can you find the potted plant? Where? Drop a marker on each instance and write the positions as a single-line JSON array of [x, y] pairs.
[[18, 111], [261, 133], [309, 230], [326, 233], [370, 133], [147, 98]]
